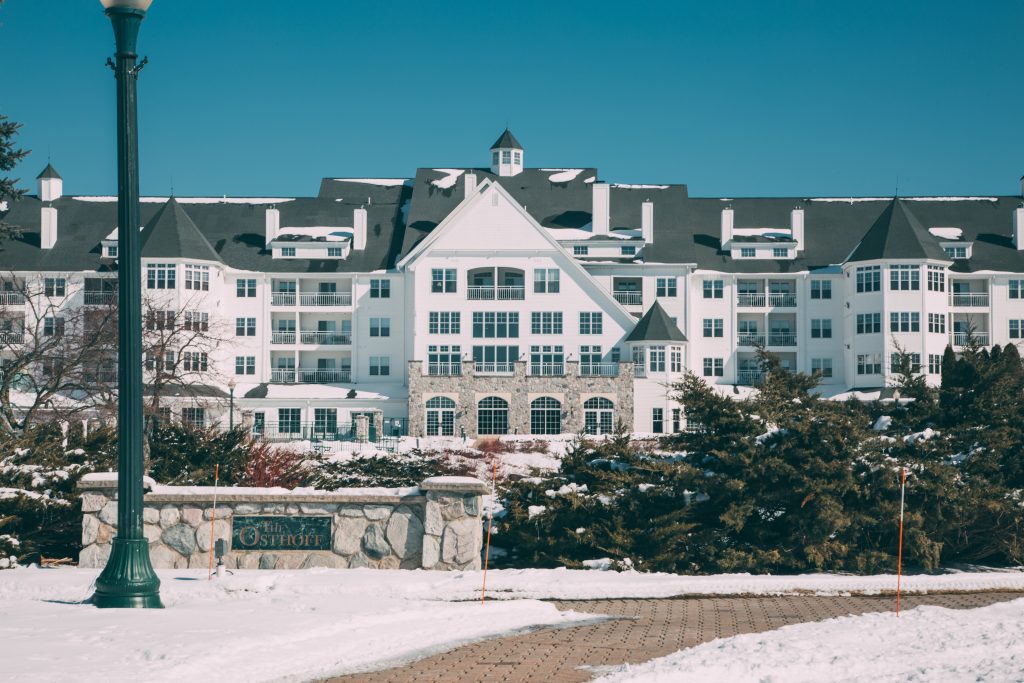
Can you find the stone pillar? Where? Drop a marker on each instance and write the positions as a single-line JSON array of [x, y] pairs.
[[99, 517], [416, 426], [362, 428], [452, 523], [378, 423]]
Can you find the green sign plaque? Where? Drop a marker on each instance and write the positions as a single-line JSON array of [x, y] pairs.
[[280, 533]]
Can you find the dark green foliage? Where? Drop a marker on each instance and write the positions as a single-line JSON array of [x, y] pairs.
[[180, 455], [10, 155], [395, 470]]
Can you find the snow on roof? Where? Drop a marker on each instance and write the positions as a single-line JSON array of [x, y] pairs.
[[762, 232], [590, 179], [584, 233], [640, 187], [195, 200], [563, 175], [851, 200], [331, 233], [384, 182], [947, 233], [302, 391], [448, 180]]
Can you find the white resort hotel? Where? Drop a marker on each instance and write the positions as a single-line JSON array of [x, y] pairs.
[[515, 300]]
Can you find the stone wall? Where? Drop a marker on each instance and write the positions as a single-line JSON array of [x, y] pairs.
[[436, 525], [519, 389]]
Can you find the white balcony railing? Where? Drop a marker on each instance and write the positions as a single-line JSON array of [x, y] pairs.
[[599, 369], [100, 298], [750, 339], [482, 368], [639, 370], [547, 369], [282, 337], [969, 299], [749, 377], [501, 293], [961, 338], [759, 300], [310, 376], [781, 339], [785, 300], [325, 298], [11, 298], [282, 298], [444, 369], [629, 298], [323, 337], [750, 300]]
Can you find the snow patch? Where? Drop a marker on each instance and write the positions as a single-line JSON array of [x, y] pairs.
[[882, 423], [451, 177], [383, 182], [195, 200], [563, 175], [947, 233], [640, 187]]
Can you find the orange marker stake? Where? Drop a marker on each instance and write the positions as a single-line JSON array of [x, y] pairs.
[[899, 559], [490, 517], [213, 518]]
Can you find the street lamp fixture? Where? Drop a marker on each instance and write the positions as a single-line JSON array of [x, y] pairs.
[[128, 580], [231, 405]]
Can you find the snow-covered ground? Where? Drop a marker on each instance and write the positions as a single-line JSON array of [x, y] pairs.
[[932, 644]]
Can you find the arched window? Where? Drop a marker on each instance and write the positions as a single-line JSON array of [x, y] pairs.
[[492, 416], [545, 416], [440, 416], [598, 415]]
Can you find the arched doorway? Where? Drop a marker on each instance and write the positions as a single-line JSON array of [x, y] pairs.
[[440, 416], [598, 415]]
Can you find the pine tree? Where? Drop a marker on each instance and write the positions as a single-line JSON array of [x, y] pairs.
[[10, 155]]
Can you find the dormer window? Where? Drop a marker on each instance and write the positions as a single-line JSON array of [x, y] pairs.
[[287, 251], [333, 252], [748, 252], [110, 251], [780, 252], [580, 250], [628, 251], [957, 252]]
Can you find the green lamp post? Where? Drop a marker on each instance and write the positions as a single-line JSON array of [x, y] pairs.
[[128, 580]]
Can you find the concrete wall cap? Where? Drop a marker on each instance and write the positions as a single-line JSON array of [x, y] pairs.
[[108, 480], [454, 485]]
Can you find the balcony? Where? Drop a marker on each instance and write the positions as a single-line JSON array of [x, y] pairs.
[[483, 368], [282, 298], [961, 338], [969, 299], [324, 337], [310, 376], [750, 300], [639, 370], [100, 298], [782, 339], [324, 299], [547, 369], [282, 337], [749, 377], [760, 300], [500, 293], [12, 337], [785, 300], [629, 298], [599, 370], [11, 298], [444, 369], [753, 339]]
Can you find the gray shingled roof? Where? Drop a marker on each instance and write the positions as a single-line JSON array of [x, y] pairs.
[[506, 141], [49, 172], [898, 234], [171, 233], [656, 326]]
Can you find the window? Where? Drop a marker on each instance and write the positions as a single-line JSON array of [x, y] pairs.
[[714, 367], [823, 366], [380, 327], [194, 417], [489, 325], [444, 360], [546, 280], [53, 326], [547, 361], [443, 322], [869, 364], [492, 416], [656, 359], [495, 358], [245, 288], [111, 250], [442, 280], [380, 366], [380, 289], [713, 289], [666, 287], [160, 276], [194, 361], [1016, 289], [937, 323], [590, 360], [780, 252], [287, 251], [159, 320], [934, 364], [325, 422], [199, 321], [956, 252], [154, 361], [245, 327], [658, 420], [904, 278], [245, 365], [289, 420], [591, 323], [747, 252], [869, 323], [714, 327], [821, 289], [580, 250], [869, 279], [936, 279], [546, 323], [904, 362], [677, 421], [506, 156], [676, 357], [440, 416], [821, 329], [518, 157], [904, 322], [628, 250], [1017, 329], [545, 416], [55, 286], [197, 277], [494, 158], [598, 415]]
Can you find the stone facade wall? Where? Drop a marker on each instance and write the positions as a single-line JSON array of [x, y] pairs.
[[519, 389], [437, 525]]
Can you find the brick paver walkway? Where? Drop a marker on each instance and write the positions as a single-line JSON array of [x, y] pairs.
[[644, 629]]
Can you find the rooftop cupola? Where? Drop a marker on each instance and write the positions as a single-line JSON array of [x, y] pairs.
[[507, 155], [51, 185]]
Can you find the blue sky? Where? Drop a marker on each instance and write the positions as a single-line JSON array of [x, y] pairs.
[[733, 98]]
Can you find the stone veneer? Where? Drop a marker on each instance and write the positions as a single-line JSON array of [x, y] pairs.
[[436, 525], [519, 389]]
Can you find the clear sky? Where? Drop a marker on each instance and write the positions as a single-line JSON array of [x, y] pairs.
[[750, 98]]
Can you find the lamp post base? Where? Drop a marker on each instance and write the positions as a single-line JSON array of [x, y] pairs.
[[128, 580]]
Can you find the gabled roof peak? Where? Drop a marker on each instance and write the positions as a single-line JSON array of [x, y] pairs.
[[171, 233], [506, 141], [656, 326], [48, 173]]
